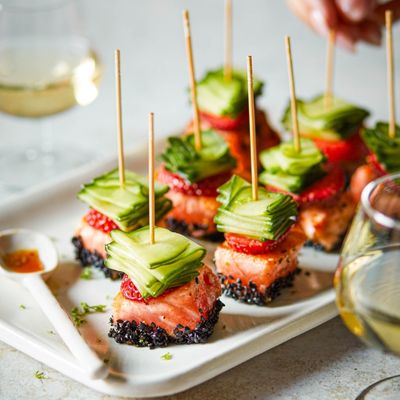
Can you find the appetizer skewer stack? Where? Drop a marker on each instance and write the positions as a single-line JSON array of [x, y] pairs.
[[332, 123], [325, 207], [193, 167], [259, 255], [168, 295], [222, 99], [382, 141], [118, 200]]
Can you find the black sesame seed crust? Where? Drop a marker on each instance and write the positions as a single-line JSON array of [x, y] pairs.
[[152, 336], [320, 247], [250, 294], [195, 230], [87, 257]]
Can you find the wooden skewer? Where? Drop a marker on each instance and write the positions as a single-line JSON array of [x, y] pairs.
[[330, 58], [390, 71], [193, 90], [252, 122], [293, 102], [121, 160], [152, 217], [228, 40]]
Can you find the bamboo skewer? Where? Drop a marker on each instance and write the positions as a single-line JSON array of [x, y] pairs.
[[193, 90], [390, 72], [293, 102], [228, 41], [152, 218], [253, 142], [330, 59], [121, 160]]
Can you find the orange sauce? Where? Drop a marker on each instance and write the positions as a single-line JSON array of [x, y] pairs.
[[24, 260]]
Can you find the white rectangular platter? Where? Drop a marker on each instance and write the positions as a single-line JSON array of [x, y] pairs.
[[242, 332]]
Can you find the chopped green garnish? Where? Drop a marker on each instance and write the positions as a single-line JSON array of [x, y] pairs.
[[264, 219], [182, 158], [40, 375], [289, 170], [87, 273], [22, 307], [170, 262], [128, 207], [219, 96], [167, 356], [78, 313], [319, 121], [385, 148]]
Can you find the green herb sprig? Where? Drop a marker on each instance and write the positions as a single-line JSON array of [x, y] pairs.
[[78, 313]]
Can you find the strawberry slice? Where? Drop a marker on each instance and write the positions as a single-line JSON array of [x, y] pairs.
[[225, 123], [322, 190], [246, 245], [372, 160], [206, 187], [351, 149], [130, 291], [99, 221], [325, 188]]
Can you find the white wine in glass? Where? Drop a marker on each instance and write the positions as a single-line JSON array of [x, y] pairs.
[[47, 66], [367, 280]]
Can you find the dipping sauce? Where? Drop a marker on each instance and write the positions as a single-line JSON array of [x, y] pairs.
[[24, 260]]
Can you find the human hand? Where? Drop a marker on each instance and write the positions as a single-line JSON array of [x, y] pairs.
[[352, 20]]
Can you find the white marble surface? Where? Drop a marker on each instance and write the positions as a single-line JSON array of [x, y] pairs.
[[326, 363]]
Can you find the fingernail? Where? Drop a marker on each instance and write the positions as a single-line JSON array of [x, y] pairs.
[[353, 12], [318, 22], [345, 43]]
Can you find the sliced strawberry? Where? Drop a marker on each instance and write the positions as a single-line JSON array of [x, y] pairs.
[[372, 160], [351, 149], [244, 244], [325, 188], [225, 123], [131, 292], [322, 190], [206, 187], [99, 221]]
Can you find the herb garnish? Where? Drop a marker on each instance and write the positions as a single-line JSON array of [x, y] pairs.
[[40, 375], [167, 356], [78, 313], [87, 273], [22, 307]]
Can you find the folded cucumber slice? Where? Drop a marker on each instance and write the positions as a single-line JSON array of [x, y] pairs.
[[171, 261]]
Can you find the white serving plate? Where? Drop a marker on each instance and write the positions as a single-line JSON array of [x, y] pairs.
[[242, 332]]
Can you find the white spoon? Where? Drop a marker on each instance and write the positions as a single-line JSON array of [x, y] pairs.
[[18, 239]]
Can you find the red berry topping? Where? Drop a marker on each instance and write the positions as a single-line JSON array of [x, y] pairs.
[[129, 290], [206, 187], [244, 244], [225, 123], [372, 160], [325, 188], [322, 190], [99, 221], [351, 149]]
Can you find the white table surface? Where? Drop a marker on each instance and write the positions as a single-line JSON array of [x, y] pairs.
[[325, 363]]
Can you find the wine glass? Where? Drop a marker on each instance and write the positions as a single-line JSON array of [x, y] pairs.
[[46, 66], [367, 280]]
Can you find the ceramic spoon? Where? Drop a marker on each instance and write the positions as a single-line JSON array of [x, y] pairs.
[[17, 239]]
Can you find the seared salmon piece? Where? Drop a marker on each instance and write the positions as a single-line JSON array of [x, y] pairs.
[[192, 215], [186, 314], [256, 278], [361, 177], [92, 239], [325, 223]]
